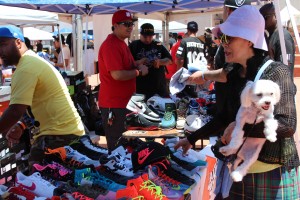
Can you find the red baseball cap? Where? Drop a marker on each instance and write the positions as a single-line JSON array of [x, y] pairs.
[[122, 15]]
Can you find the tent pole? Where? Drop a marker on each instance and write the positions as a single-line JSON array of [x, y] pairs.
[[167, 30], [61, 47], [296, 33], [79, 42], [280, 31], [74, 44]]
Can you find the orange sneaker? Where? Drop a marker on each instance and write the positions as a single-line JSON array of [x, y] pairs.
[[147, 188], [129, 193]]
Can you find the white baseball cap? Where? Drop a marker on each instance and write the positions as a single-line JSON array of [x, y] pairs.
[[245, 22]]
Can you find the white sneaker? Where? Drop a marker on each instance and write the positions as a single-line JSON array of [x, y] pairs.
[[119, 168], [193, 123], [73, 154], [3, 189], [35, 184], [121, 156], [158, 103], [137, 104]]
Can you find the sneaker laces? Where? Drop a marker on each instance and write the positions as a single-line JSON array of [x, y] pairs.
[[168, 116], [154, 189], [61, 151], [163, 175], [79, 196]]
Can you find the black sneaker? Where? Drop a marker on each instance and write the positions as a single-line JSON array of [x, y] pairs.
[[136, 121], [89, 152], [165, 167]]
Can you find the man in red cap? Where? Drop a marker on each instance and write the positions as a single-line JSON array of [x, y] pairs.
[[118, 72]]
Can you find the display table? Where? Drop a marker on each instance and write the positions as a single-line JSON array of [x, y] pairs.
[[154, 134]]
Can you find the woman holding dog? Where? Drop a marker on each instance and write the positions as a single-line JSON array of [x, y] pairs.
[[276, 173]]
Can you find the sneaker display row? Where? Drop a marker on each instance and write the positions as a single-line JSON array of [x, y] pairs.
[[137, 104]]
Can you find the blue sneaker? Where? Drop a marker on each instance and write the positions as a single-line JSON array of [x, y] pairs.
[[95, 178], [106, 183], [169, 119]]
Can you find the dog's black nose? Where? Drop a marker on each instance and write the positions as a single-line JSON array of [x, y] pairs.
[[267, 102]]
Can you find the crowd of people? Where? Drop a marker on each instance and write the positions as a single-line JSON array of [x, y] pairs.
[[145, 67]]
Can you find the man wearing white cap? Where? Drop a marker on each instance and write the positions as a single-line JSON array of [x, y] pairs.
[[275, 174]]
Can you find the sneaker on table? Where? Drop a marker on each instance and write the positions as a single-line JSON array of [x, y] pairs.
[[35, 184], [71, 153], [169, 119], [54, 171], [158, 103], [137, 104], [166, 185], [83, 146], [147, 188], [87, 142], [115, 166], [193, 123], [182, 107], [136, 121], [3, 189], [121, 155]]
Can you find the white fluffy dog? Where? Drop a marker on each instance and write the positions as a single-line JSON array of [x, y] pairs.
[[257, 104]]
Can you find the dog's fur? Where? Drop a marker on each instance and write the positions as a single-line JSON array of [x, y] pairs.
[[257, 104]]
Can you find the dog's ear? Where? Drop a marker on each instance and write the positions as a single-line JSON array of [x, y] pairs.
[[246, 96], [276, 92]]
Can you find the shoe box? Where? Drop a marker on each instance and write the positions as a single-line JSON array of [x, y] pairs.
[[8, 164], [75, 81]]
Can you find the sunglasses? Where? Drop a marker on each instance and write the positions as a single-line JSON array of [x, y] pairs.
[[127, 24], [225, 39]]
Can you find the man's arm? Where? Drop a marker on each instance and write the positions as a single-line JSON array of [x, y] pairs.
[[11, 115], [179, 62], [124, 75]]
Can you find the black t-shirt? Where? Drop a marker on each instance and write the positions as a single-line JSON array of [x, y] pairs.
[[154, 82], [190, 49]]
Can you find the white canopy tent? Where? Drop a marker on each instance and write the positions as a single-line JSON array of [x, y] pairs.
[[37, 34], [24, 17], [285, 15]]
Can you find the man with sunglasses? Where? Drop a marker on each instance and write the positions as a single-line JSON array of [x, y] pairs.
[[155, 56], [118, 72], [268, 12]]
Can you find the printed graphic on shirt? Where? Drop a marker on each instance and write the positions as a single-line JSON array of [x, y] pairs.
[[192, 51]]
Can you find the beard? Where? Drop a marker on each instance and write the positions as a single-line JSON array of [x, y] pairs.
[[10, 54]]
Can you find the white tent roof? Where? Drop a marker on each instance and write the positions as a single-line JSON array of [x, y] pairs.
[[24, 17], [285, 17], [36, 34]]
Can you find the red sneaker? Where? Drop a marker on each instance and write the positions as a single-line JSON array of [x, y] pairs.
[[147, 188]]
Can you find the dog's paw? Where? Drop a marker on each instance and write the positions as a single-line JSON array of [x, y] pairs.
[[236, 176], [227, 150], [271, 138]]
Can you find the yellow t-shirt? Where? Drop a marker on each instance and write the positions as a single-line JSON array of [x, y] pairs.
[[38, 84]]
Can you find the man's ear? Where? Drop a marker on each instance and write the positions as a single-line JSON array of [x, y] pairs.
[[18, 43]]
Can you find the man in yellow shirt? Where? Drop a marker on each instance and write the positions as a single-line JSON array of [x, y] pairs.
[[37, 88]]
